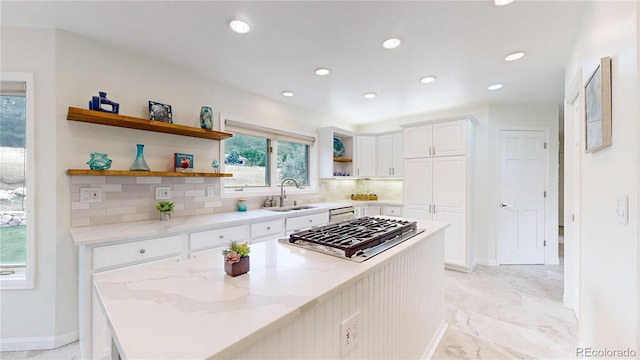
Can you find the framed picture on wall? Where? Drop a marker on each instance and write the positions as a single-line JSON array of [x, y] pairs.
[[598, 107]]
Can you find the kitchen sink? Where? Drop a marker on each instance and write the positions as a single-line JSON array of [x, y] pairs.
[[292, 208]]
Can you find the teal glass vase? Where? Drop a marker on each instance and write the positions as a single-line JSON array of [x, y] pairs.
[[139, 164]]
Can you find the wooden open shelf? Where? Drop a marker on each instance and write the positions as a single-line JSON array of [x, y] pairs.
[[342, 159], [104, 118], [85, 172]]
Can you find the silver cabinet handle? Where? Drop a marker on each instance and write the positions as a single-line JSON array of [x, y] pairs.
[[503, 205], [390, 171], [142, 251], [430, 149], [434, 208], [434, 149], [429, 208]]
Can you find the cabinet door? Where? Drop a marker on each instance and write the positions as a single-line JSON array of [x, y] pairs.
[[450, 205], [306, 221], [417, 183], [218, 237], [450, 138], [418, 141], [392, 210], [398, 155], [366, 156], [372, 210], [385, 155], [417, 212]]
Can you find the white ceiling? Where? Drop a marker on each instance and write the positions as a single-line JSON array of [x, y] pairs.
[[463, 43]]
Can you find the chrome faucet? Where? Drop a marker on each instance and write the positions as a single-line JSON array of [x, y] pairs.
[[282, 193]]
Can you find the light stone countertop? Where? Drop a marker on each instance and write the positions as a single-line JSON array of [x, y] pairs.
[[99, 234], [191, 309]]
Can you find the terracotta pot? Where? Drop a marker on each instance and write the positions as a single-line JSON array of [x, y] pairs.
[[239, 268]]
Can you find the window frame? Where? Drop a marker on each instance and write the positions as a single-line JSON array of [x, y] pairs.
[[253, 128], [24, 277]]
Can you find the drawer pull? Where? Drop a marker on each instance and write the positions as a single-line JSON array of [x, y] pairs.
[[268, 227], [221, 236], [142, 251], [310, 220]]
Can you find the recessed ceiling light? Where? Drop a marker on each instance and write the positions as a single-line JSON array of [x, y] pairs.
[[495, 87], [370, 95], [428, 79], [323, 71], [287, 93], [239, 26], [513, 57], [391, 43], [502, 2]]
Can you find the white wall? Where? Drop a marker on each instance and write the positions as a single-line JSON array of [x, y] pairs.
[[69, 69], [608, 249], [33, 313]]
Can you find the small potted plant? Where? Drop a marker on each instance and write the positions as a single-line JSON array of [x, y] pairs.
[[236, 258], [166, 209]]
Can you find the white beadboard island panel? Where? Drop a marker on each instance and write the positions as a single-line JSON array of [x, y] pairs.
[[290, 305]]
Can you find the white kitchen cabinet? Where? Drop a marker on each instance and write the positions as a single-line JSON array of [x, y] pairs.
[[436, 183], [266, 230], [306, 221], [366, 162], [111, 256], [218, 237], [440, 139], [390, 155], [392, 210], [330, 166]]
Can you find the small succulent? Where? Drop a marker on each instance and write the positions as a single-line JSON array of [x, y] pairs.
[[235, 251], [165, 206]]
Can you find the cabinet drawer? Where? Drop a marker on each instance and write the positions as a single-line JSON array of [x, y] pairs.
[[303, 222], [136, 252], [392, 210], [266, 228], [218, 237]]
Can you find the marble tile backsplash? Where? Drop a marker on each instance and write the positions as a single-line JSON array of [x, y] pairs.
[[126, 199]]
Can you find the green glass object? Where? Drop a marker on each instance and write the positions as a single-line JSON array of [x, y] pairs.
[[99, 161], [139, 164]]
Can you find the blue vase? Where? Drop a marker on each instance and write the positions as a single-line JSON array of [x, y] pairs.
[[139, 164], [206, 118]]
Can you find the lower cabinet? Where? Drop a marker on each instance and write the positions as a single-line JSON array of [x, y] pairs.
[[266, 230], [218, 237], [306, 221]]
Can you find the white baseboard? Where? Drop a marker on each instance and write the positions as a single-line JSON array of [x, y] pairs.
[[488, 262], [435, 341], [38, 343]]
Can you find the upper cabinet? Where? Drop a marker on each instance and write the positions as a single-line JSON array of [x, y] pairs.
[[439, 139], [366, 156], [336, 149], [390, 154]]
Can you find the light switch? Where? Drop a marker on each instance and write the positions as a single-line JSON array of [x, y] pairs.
[[163, 193], [622, 209]]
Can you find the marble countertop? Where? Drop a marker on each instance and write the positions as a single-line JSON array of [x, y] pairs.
[[88, 235], [192, 309]]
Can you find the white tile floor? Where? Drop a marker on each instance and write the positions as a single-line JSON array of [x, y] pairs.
[[496, 312]]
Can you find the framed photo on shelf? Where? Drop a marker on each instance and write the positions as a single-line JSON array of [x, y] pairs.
[[598, 107], [160, 112], [182, 162]]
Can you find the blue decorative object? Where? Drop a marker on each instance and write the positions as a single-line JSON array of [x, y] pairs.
[[206, 118], [338, 148], [97, 103], [139, 164], [216, 166], [99, 161]]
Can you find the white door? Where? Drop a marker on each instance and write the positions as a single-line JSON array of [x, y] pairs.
[[398, 154], [522, 186], [418, 141], [450, 139], [449, 205], [385, 155]]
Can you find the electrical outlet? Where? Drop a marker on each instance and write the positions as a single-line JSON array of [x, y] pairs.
[[349, 334], [210, 191], [163, 193], [90, 195]]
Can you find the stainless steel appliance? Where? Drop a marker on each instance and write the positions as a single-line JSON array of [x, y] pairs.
[[357, 239], [341, 214]]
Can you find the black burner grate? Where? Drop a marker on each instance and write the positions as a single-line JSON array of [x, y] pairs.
[[355, 235]]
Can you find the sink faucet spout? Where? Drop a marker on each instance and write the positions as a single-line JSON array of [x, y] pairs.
[[282, 193]]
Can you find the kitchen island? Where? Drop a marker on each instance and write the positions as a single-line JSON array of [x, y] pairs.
[[293, 303]]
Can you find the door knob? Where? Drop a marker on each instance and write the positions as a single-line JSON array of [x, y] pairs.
[[503, 205]]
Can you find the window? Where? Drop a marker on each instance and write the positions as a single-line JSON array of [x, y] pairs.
[[16, 199], [260, 158]]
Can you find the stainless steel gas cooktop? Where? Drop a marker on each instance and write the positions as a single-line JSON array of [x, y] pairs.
[[357, 239]]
